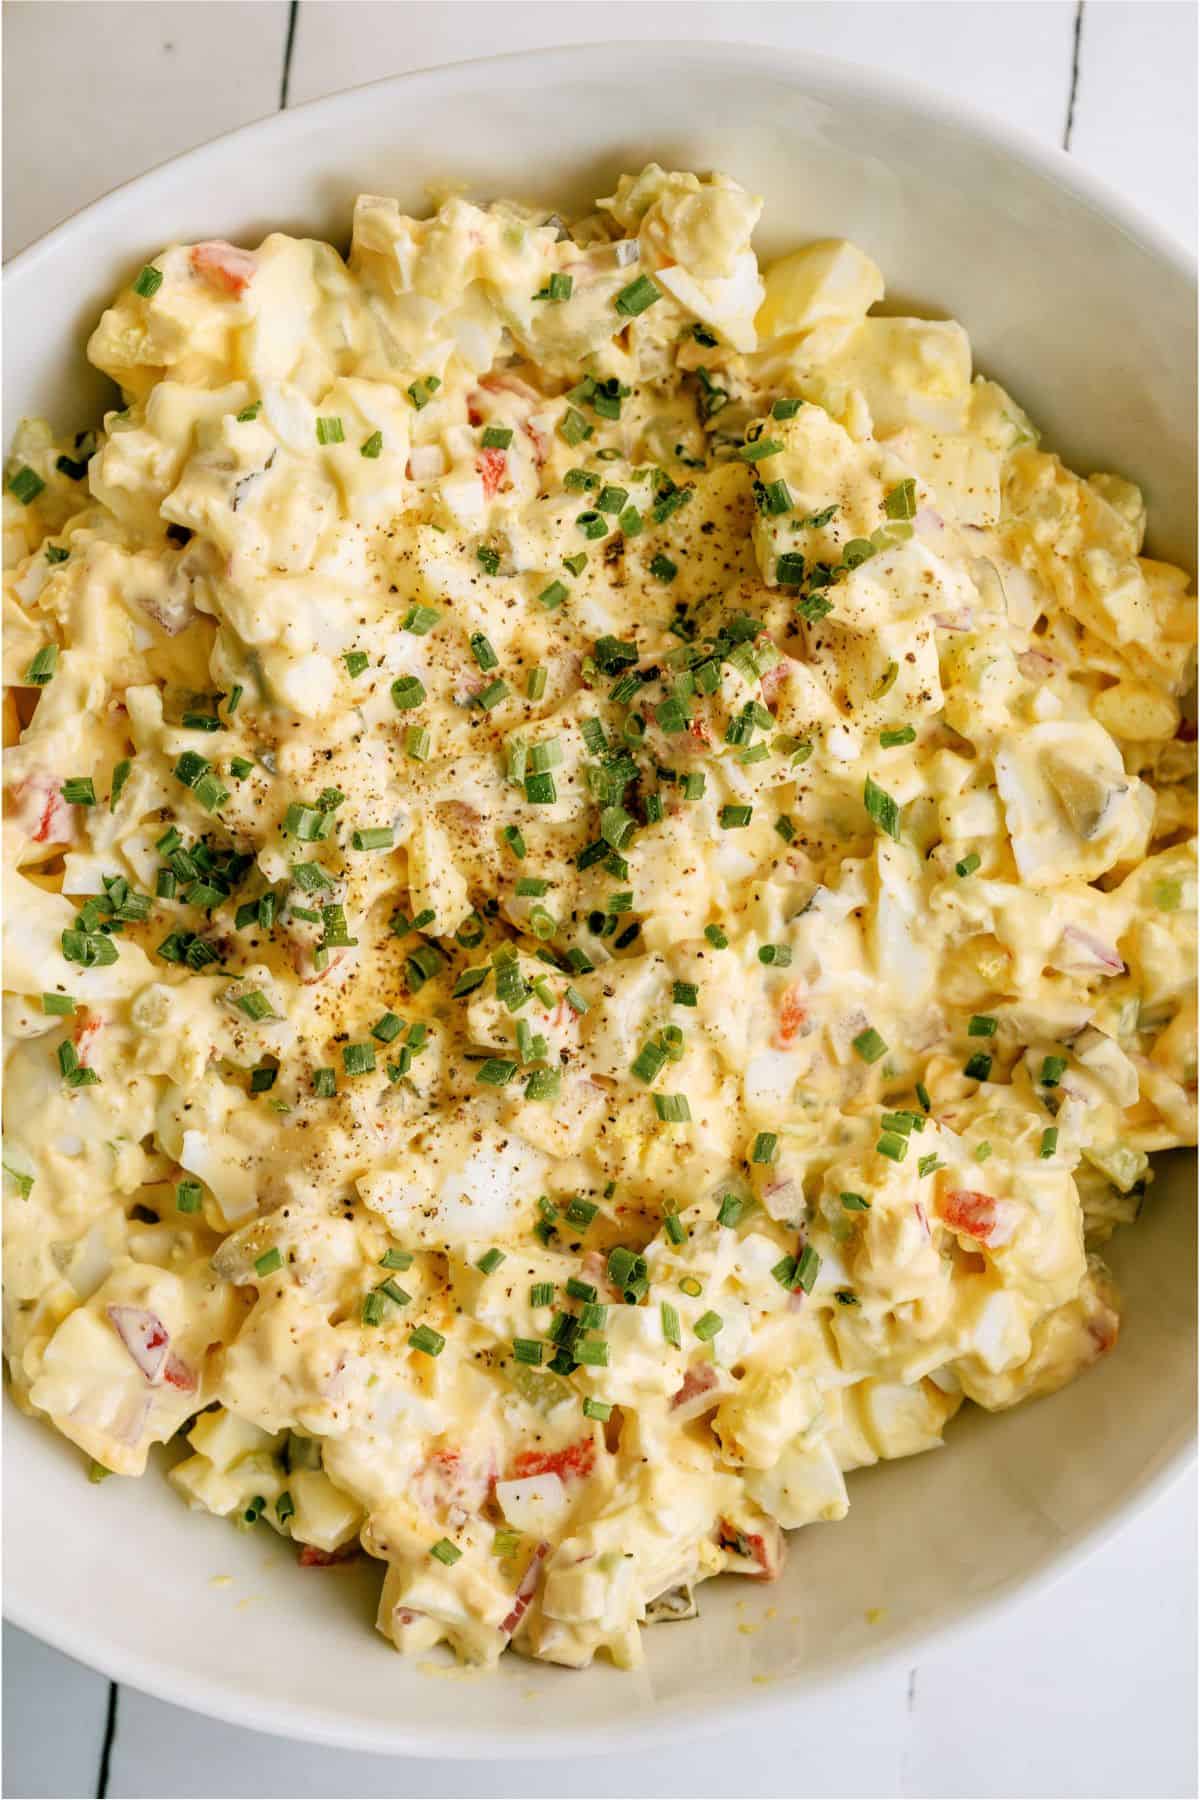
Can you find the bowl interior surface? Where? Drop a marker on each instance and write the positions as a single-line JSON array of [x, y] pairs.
[[1088, 317]]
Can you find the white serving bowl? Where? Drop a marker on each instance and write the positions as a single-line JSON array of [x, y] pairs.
[[1087, 315]]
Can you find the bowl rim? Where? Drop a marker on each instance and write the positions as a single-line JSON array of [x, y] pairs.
[[1048, 160], [216, 1699]]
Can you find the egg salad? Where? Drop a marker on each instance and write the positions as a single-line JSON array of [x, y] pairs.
[[600, 901]]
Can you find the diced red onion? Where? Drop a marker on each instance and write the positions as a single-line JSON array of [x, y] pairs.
[[1081, 950], [526, 1589], [144, 1336], [696, 1396]]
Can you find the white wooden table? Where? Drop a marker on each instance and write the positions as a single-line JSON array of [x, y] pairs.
[[1089, 1689]]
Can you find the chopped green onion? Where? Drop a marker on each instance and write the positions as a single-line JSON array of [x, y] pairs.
[[773, 498], [978, 1067], [892, 1145], [255, 1005], [734, 818], [495, 1071], [148, 282], [901, 734], [901, 502], [554, 595], [730, 1210], [358, 1059], [329, 431], [490, 1261], [758, 449], [968, 865], [188, 1196], [855, 1203], [269, 1261], [373, 837], [870, 1045], [427, 1341], [371, 447], [540, 789], [649, 1063], [483, 652], [1049, 1142], [707, 1326], [444, 1550], [527, 1350], [635, 298], [543, 1084], [422, 392], [324, 1083], [1053, 1070], [573, 427], [982, 1025], [408, 692], [420, 620], [807, 1264], [493, 694], [79, 790], [673, 1109], [25, 484], [42, 669], [882, 809], [596, 1409]]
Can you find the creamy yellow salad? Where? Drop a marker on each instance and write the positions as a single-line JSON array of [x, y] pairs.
[[600, 901]]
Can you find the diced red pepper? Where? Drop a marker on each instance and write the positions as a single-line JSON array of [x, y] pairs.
[[749, 1544], [972, 1213], [223, 266], [312, 1558], [793, 1015], [493, 466], [576, 1459]]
